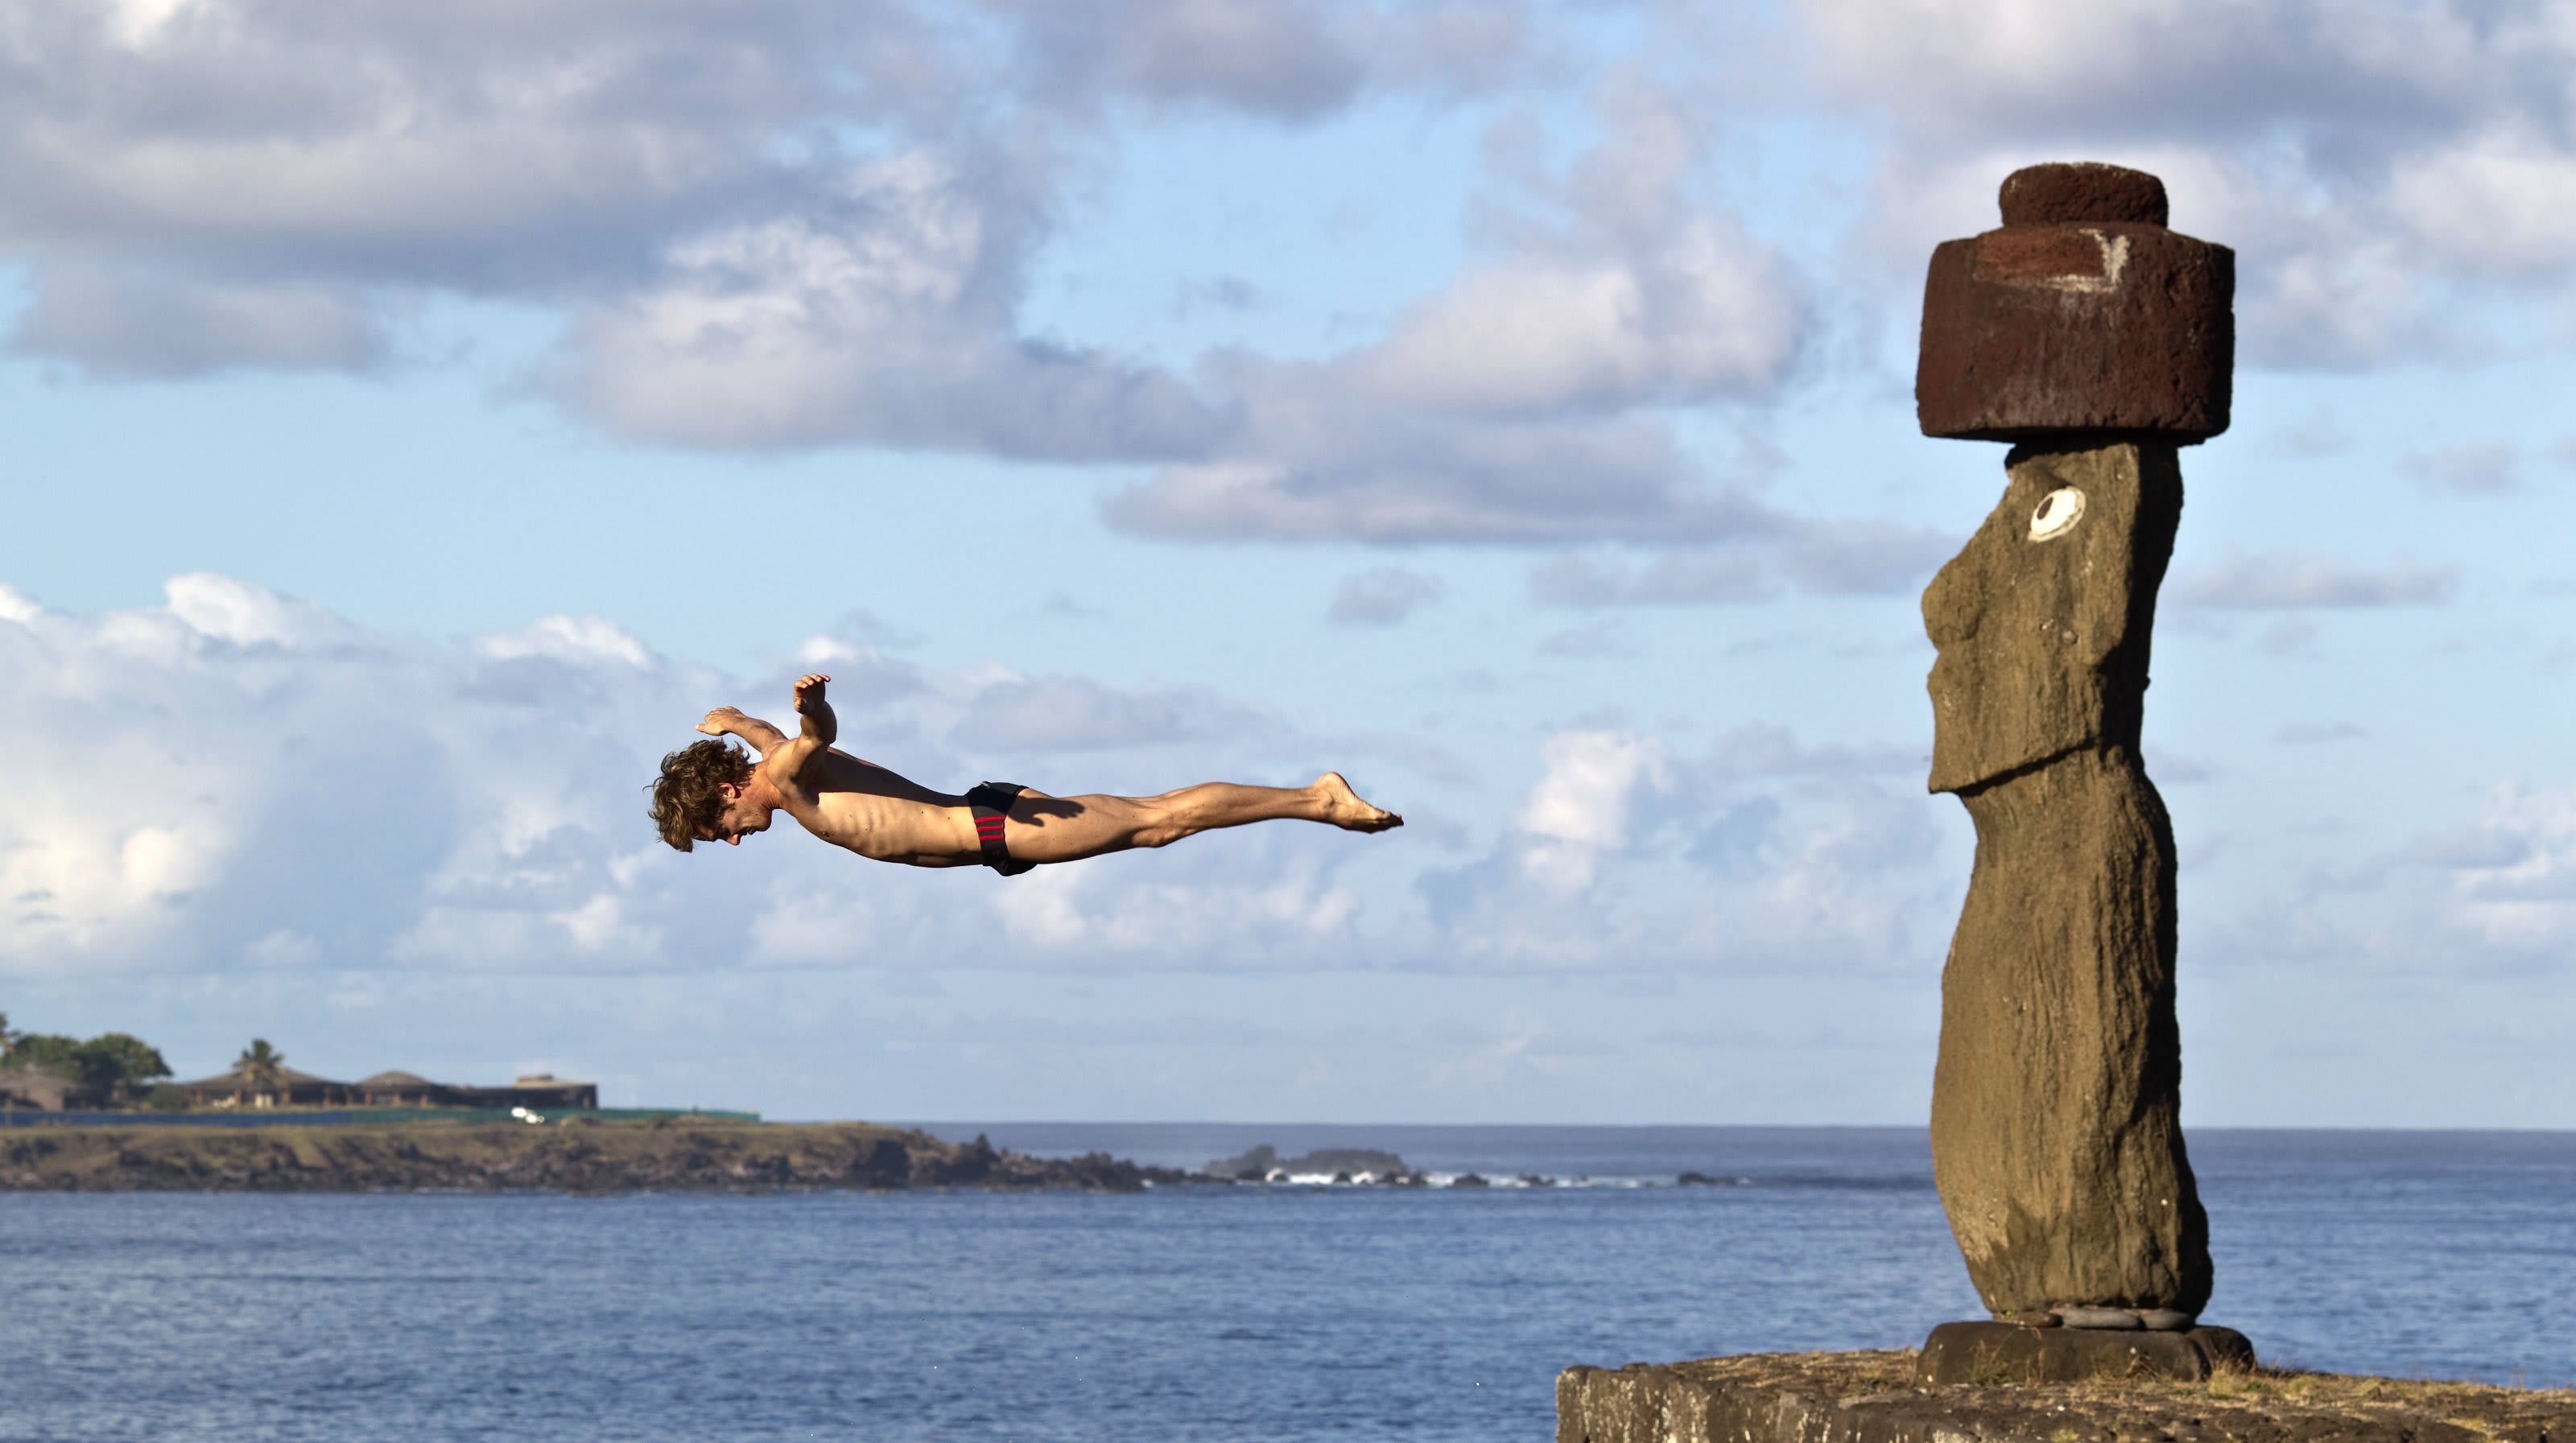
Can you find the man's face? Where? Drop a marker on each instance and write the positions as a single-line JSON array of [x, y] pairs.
[[738, 820]]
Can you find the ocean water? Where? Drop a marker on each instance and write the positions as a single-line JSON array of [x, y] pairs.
[[1201, 1314]]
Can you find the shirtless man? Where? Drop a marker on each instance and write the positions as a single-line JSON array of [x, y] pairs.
[[710, 792]]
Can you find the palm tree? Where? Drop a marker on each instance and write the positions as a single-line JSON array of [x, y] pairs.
[[260, 1065]]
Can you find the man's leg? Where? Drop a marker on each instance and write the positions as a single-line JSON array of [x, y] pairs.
[[1067, 829]]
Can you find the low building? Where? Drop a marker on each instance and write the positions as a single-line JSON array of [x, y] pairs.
[[28, 1089], [544, 1092], [408, 1089], [289, 1088], [538, 1092]]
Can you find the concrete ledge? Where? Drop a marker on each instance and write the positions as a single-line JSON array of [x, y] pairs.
[[1873, 1398]]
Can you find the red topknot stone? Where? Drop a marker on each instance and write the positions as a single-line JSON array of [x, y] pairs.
[[2082, 320], [2071, 192]]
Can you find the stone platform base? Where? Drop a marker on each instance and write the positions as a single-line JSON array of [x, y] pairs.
[[2008, 1353], [1874, 1398]]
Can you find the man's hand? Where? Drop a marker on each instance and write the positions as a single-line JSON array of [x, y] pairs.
[[725, 720], [820, 726]]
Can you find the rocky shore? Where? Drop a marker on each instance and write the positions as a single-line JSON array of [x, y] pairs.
[[681, 1154]]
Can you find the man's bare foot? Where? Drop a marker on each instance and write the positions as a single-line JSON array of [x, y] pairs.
[[1344, 809]]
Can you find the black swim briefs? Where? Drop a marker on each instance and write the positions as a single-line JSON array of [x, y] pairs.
[[992, 801]]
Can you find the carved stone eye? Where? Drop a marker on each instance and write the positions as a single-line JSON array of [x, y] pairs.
[[2058, 510]]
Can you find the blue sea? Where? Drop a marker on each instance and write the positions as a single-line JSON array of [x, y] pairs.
[[1281, 1312]]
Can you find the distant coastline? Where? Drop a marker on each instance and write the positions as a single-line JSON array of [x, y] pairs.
[[578, 1154], [606, 1152]]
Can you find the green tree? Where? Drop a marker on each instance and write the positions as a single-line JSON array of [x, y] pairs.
[[121, 1061], [47, 1052], [261, 1065], [8, 1039], [111, 1061]]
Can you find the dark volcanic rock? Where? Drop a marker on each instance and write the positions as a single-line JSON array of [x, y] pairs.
[[2082, 317], [1999, 1352], [592, 1158], [2072, 192], [2056, 1139], [1340, 1164], [2114, 1319], [1874, 1398]]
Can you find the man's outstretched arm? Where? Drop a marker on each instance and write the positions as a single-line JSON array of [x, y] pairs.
[[815, 712], [729, 721], [816, 733]]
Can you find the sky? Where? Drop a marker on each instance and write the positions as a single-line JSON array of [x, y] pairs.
[[417, 418]]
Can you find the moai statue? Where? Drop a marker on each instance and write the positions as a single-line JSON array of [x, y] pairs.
[[2097, 342]]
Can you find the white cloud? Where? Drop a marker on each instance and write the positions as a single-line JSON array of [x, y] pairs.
[[1318, 463], [791, 223], [1525, 401], [1580, 809], [240, 775], [222, 609], [1205, 921], [1769, 855], [2502, 200], [2493, 893], [886, 317], [2517, 901], [1707, 316], [569, 639]]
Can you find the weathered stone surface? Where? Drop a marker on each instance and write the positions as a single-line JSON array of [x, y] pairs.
[[1875, 1398], [2000, 1352], [2056, 1140], [2082, 317], [2044, 642], [2073, 192], [2118, 1319]]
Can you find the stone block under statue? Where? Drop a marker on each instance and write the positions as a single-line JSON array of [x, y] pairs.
[[1986, 1352], [1882, 1397]]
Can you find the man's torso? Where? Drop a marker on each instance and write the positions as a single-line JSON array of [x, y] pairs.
[[879, 814]]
